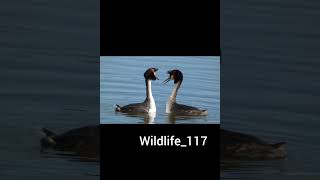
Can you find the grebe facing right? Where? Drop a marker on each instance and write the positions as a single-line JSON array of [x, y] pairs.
[[148, 105], [172, 106]]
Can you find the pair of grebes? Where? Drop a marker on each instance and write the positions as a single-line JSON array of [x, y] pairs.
[[172, 107], [233, 145]]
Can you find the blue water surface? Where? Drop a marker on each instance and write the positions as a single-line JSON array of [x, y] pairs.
[[122, 82]]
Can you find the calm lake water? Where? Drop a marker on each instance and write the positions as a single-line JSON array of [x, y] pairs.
[[122, 83], [270, 83], [48, 80]]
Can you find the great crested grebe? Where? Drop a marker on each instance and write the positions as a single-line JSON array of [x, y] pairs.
[[172, 106], [148, 105]]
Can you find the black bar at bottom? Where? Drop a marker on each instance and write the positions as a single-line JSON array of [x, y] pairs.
[[122, 154]]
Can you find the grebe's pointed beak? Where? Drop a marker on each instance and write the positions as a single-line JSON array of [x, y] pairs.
[[167, 80]]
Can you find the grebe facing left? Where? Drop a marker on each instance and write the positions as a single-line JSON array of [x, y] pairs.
[[172, 106], [148, 105]]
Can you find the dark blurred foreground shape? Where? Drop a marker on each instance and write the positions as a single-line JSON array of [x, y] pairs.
[[234, 145], [83, 142]]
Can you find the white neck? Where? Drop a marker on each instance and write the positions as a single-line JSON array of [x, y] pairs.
[[152, 103], [172, 98]]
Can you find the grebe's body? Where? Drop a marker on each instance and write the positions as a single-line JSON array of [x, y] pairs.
[[148, 105], [172, 106]]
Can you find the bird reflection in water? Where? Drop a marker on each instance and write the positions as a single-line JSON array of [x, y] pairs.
[[148, 118], [173, 118]]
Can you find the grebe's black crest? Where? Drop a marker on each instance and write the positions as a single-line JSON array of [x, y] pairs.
[[151, 74], [175, 75]]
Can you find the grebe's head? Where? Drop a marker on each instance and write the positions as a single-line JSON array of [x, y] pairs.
[[175, 75], [151, 74]]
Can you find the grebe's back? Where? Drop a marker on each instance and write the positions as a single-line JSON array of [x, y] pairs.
[[181, 109]]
